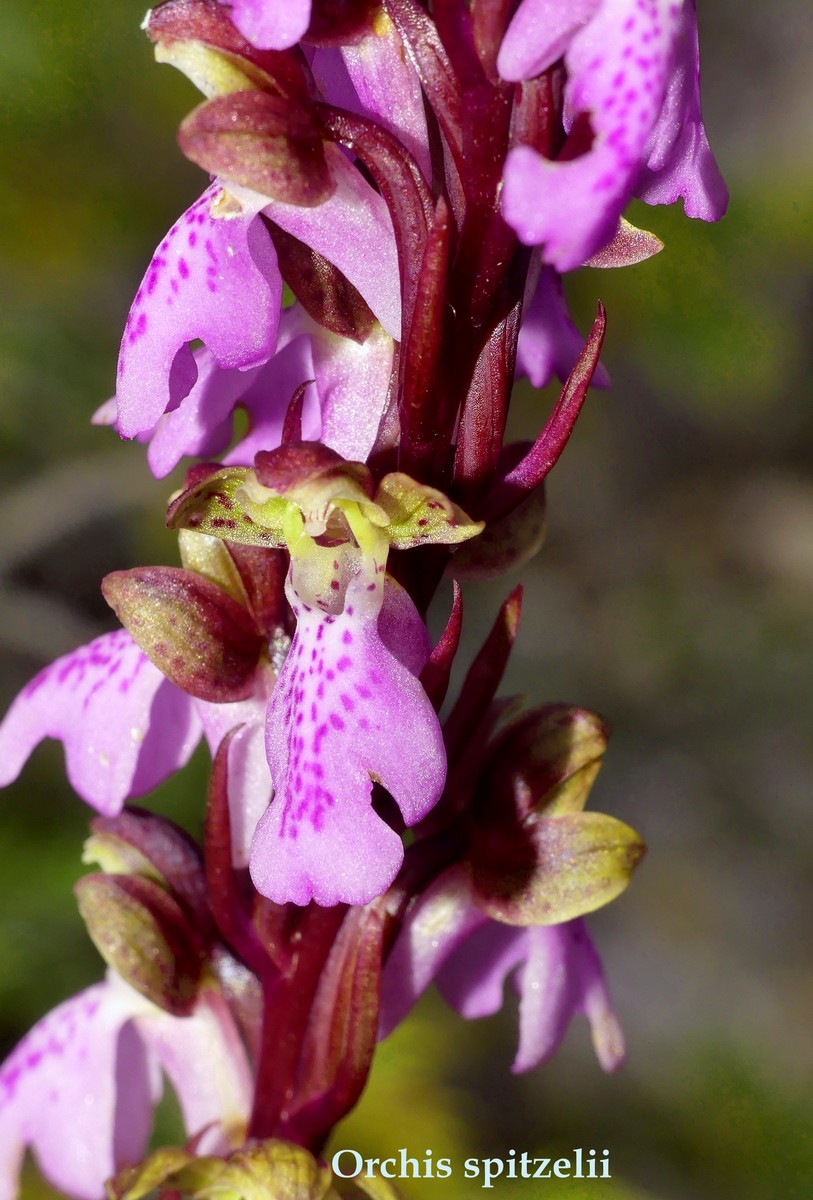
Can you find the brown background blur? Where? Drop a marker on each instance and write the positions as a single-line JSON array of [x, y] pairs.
[[675, 595]]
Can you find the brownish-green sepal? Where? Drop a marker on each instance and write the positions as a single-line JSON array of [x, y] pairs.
[[217, 505], [545, 761], [419, 515], [553, 869], [268, 143], [138, 842], [198, 636], [209, 557], [505, 544], [143, 934], [271, 1170]]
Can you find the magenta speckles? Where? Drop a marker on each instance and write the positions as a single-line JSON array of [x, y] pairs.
[[355, 708], [101, 702], [214, 278], [571, 208]]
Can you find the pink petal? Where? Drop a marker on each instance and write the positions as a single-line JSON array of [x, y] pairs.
[[539, 33], [344, 710], [438, 922], [680, 162], [205, 1060], [563, 976], [267, 400], [344, 407], [473, 979], [250, 788], [270, 24], [79, 1090], [618, 67], [549, 342], [353, 381], [352, 230], [389, 90], [213, 278], [201, 425], [123, 725]]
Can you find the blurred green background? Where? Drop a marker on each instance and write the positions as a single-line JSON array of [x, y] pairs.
[[674, 595]]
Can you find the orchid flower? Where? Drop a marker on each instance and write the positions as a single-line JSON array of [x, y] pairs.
[[81, 1086], [349, 683], [448, 939], [632, 74]]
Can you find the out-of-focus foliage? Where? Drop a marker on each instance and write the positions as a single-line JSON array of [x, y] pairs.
[[674, 595]]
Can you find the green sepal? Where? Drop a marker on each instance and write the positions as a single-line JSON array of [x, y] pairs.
[[270, 144], [554, 869], [138, 842], [420, 515], [270, 1170], [208, 556], [168, 1166], [545, 761], [142, 933], [218, 506]]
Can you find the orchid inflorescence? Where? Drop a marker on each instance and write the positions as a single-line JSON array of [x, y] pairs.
[[419, 174]]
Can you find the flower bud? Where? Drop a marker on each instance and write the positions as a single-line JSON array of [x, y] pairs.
[[143, 934], [197, 635]]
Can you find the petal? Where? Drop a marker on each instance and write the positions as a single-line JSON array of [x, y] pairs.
[[344, 408], [250, 789], [201, 425], [436, 924], [267, 400], [270, 24], [549, 342], [563, 976], [205, 1060], [214, 278], [548, 994], [402, 630], [344, 710], [353, 382], [353, 230], [680, 162], [618, 70], [388, 88], [539, 33], [79, 1089], [123, 725], [473, 979]]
